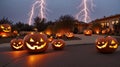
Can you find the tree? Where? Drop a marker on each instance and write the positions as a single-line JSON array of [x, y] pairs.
[[5, 21], [39, 24], [20, 26], [65, 23]]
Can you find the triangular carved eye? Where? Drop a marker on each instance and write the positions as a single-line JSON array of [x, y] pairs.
[[8, 27], [2, 27], [41, 40], [98, 42], [31, 40], [113, 42], [103, 42], [14, 43], [19, 43]]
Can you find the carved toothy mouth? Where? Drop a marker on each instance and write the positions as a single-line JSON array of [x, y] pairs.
[[100, 47], [115, 46], [18, 47], [58, 45], [35, 46]]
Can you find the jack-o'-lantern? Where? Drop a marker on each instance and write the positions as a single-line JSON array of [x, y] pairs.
[[17, 44], [50, 39], [106, 45], [88, 32], [104, 31], [59, 35], [97, 31], [69, 35], [58, 44], [5, 28], [36, 42]]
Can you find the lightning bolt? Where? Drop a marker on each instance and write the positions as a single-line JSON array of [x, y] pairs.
[[83, 14], [42, 11]]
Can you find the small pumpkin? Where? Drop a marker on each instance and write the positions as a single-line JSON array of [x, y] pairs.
[[69, 35], [58, 44], [5, 28], [50, 39], [59, 35], [88, 32], [36, 42], [17, 44], [107, 44]]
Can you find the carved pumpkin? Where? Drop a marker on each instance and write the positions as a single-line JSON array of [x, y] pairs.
[[5, 28], [88, 32], [104, 31], [106, 45], [17, 44], [58, 44], [59, 35], [50, 39], [97, 31], [69, 35], [36, 42]]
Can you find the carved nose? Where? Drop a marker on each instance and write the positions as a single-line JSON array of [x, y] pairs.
[[37, 42]]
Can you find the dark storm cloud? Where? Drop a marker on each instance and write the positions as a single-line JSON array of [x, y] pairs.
[[17, 10]]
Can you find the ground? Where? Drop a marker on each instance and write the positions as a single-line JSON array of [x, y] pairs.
[[77, 53]]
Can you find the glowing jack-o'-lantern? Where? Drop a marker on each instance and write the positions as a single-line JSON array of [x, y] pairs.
[[104, 31], [106, 45], [88, 32], [58, 44], [97, 31], [5, 28], [59, 35], [69, 35], [36, 42], [17, 44], [50, 39]]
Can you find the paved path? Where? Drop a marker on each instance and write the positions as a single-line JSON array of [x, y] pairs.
[[72, 56]]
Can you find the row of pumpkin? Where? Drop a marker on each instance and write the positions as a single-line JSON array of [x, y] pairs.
[[36, 42]]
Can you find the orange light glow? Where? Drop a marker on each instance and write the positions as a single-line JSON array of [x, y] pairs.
[[97, 31]]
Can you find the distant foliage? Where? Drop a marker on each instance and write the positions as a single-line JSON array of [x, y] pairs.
[[5, 21]]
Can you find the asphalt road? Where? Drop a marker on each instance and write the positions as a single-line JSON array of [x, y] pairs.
[[72, 56]]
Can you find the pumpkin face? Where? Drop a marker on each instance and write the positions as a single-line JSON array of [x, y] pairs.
[[88, 32], [5, 28], [36, 42], [69, 35], [58, 44], [17, 44], [59, 35], [50, 39], [106, 45]]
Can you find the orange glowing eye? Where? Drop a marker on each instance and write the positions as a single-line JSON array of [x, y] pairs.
[[113, 42], [14, 43], [98, 42], [2, 27], [103, 42], [31, 40], [8, 27], [41, 40], [19, 43]]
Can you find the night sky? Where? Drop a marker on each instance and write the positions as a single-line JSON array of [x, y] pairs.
[[18, 10]]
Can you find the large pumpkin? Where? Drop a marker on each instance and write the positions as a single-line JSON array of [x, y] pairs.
[[36, 42], [88, 32], [5, 28], [58, 44], [107, 44], [17, 44]]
